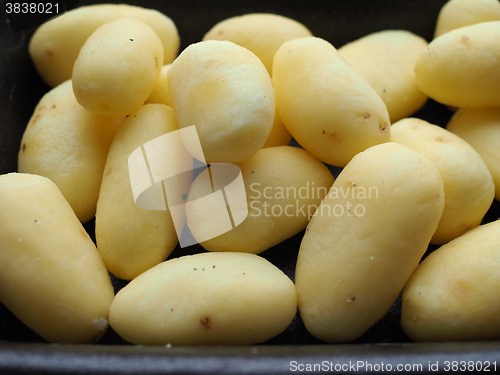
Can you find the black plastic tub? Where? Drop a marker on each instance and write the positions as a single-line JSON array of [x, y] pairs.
[[384, 348]]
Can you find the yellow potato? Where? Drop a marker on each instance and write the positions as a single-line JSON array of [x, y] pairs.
[[55, 44], [117, 67], [452, 296], [279, 135], [365, 239], [468, 185], [261, 33], [225, 91], [68, 144], [161, 93], [481, 129], [51, 275], [387, 60], [460, 68], [131, 239], [459, 13], [205, 299], [329, 109], [284, 185]]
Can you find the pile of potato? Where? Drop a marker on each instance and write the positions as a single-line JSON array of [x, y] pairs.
[[252, 84]]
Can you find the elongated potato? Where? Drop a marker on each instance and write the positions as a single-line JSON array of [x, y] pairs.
[[330, 109], [452, 296], [460, 68], [481, 129], [130, 239], [284, 185], [387, 60], [51, 275], [55, 45], [261, 33], [225, 91], [365, 240], [68, 144], [468, 185], [459, 13], [205, 299], [117, 67]]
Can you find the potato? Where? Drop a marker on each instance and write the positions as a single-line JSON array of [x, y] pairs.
[[459, 13], [261, 33], [328, 108], [51, 275], [387, 60], [161, 93], [468, 185], [117, 67], [225, 91], [284, 185], [55, 45], [131, 239], [365, 240], [460, 68], [205, 299], [279, 135], [68, 144], [452, 296], [481, 129]]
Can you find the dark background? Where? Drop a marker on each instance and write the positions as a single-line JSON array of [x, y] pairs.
[[339, 22]]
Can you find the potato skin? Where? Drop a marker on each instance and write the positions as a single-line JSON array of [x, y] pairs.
[[452, 296], [130, 239], [365, 240], [329, 109], [481, 129], [387, 60], [460, 68], [55, 45], [468, 185], [132, 51], [459, 13], [51, 275], [205, 299], [283, 185], [68, 144], [261, 33], [225, 91]]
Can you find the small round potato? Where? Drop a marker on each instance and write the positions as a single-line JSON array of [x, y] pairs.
[[365, 240], [68, 144], [205, 299], [225, 91], [459, 13], [468, 185], [460, 68], [117, 67], [329, 108], [284, 185], [387, 60], [261, 33], [453, 294], [131, 239], [481, 129], [55, 45], [51, 275]]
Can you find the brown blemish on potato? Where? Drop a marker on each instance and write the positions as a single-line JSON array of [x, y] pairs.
[[205, 322], [383, 126], [464, 39], [49, 53], [366, 115], [23, 147], [84, 234], [220, 32], [333, 135], [350, 298], [156, 62], [351, 183], [439, 139]]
